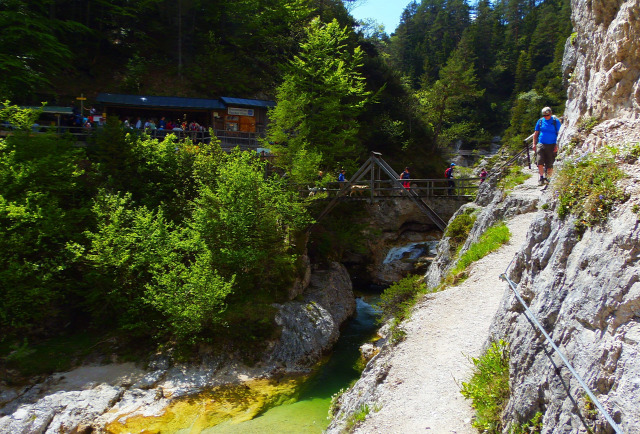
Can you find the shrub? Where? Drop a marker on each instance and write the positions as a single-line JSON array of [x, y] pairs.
[[488, 387], [396, 302], [459, 229], [587, 189]]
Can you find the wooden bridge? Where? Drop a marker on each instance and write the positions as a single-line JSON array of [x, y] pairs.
[[375, 188]]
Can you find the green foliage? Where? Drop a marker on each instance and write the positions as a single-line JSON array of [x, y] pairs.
[[587, 124], [32, 49], [338, 234], [489, 241], [488, 387], [55, 354], [512, 178], [246, 220], [135, 70], [44, 198], [444, 103], [323, 92], [397, 301], [533, 426], [159, 238], [587, 188], [334, 406], [20, 119], [357, 417], [458, 230]]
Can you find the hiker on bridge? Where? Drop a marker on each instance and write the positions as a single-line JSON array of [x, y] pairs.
[[406, 175], [341, 177], [546, 134], [449, 175]]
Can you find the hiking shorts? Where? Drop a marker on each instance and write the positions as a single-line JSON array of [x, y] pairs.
[[545, 155]]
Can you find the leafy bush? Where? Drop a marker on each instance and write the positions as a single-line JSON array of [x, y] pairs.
[[587, 189], [458, 230], [488, 387], [398, 298], [156, 238], [44, 199]]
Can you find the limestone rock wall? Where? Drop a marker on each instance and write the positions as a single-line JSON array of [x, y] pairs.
[[602, 62], [584, 290], [586, 293]]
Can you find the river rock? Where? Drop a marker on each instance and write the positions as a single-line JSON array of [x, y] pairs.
[[311, 326], [61, 411]]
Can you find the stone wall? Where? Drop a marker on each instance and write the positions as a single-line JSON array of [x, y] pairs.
[[585, 290]]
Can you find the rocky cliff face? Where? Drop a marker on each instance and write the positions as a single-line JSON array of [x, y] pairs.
[[585, 290], [403, 241]]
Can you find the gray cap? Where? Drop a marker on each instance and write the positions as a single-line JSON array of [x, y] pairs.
[[546, 111]]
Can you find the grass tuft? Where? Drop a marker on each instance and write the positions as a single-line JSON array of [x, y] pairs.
[[491, 240], [397, 301], [514, 177], [357, 417], [488, 387]]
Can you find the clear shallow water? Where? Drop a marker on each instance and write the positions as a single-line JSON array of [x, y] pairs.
[[309, 414], [297, 405]]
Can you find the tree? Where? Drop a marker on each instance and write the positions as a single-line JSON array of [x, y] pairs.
[[318, 102], [30, 49], [447, 103], [44, 199]]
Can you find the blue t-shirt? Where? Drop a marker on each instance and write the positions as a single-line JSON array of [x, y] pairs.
[[341, 177], [548, 130]]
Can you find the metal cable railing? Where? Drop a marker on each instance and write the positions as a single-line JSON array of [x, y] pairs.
[[514, 158], [533, 319]]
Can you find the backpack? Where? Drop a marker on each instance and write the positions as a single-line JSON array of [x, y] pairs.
[[555, 120], [447, 172]]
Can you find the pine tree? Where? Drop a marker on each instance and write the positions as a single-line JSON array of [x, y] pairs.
[[314, 122]]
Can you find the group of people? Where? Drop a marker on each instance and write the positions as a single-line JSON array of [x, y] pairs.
[[163, 125], [405, 176]]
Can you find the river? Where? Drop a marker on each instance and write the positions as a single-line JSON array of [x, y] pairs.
[[309, 412]]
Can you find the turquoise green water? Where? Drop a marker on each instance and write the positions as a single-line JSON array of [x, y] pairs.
[[309, 414], [298, 404]]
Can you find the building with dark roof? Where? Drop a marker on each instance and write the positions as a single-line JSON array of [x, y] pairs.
[[224, 114]]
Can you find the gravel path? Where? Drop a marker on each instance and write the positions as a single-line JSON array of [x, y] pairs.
[[421, 391]]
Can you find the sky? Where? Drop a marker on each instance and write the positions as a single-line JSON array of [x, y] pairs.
[[385, 12]]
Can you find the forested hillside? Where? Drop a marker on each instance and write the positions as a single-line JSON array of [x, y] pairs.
[[176, 242]]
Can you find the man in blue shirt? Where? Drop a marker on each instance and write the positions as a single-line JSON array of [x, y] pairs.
[[546, 136]]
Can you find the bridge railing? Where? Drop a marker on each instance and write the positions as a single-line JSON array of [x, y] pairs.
[[464, 187]]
